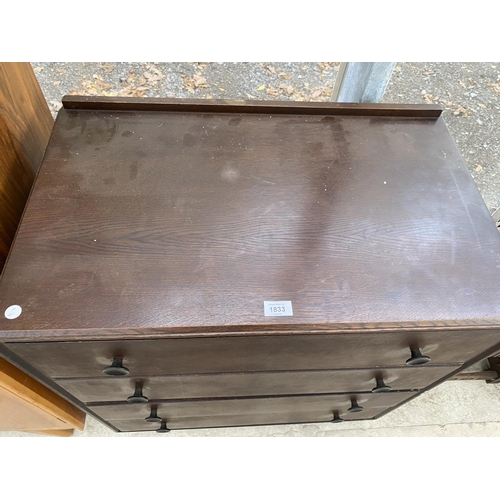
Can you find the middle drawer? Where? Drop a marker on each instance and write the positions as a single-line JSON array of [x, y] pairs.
[[102, 389]]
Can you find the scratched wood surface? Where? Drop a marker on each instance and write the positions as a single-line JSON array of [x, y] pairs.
[[164, 221]]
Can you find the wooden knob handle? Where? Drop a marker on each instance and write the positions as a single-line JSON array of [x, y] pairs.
[[381, 387], [417, 358], [163, 427], [355, 407], [138, 396], [336, 418], [116, 368], [153, 416]]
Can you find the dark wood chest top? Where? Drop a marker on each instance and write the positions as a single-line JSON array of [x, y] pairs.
[[154, 217]]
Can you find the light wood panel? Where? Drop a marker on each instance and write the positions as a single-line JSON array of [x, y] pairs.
[[27, 405]]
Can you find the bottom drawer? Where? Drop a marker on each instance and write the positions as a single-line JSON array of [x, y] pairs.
[[187, 414], [178, 423]]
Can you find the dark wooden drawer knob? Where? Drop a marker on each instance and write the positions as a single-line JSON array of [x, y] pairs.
[[138, 396], [116, 368], [355, 407], [153, 416], [381, 387], [336, 418], [417, 358], [163, 427]]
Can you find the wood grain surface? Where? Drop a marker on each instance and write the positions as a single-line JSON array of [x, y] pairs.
[[273, 406], [252, 419], [27, 405], [25, 126], [57, 433], [182, 221], [92, 390], [157, 229], [251, 353]]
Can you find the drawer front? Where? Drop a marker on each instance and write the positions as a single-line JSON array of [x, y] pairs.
[[224, 412], [253, 384], [252, 353], [177, 423]]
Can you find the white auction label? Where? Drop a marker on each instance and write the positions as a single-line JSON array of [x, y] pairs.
[[278, 308], [13, 312]]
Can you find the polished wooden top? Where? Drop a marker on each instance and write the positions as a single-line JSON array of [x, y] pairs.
[[173, 220]]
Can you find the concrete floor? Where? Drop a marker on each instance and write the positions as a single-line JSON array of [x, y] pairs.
[[470, 94]]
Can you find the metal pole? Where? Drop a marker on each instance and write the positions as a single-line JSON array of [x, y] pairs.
[[362, 81]]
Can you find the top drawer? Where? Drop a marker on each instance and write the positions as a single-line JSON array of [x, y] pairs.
[[253, 352]]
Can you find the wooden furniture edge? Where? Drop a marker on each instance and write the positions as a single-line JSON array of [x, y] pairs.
[[449, 377], [17, 382], [491, 376], [53, 432], [134, 333], [25, 127], [250, 106]]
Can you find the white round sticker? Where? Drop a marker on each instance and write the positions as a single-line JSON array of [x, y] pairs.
[[13, 312]]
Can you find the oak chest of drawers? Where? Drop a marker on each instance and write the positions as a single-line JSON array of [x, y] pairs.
[[186, 264]]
